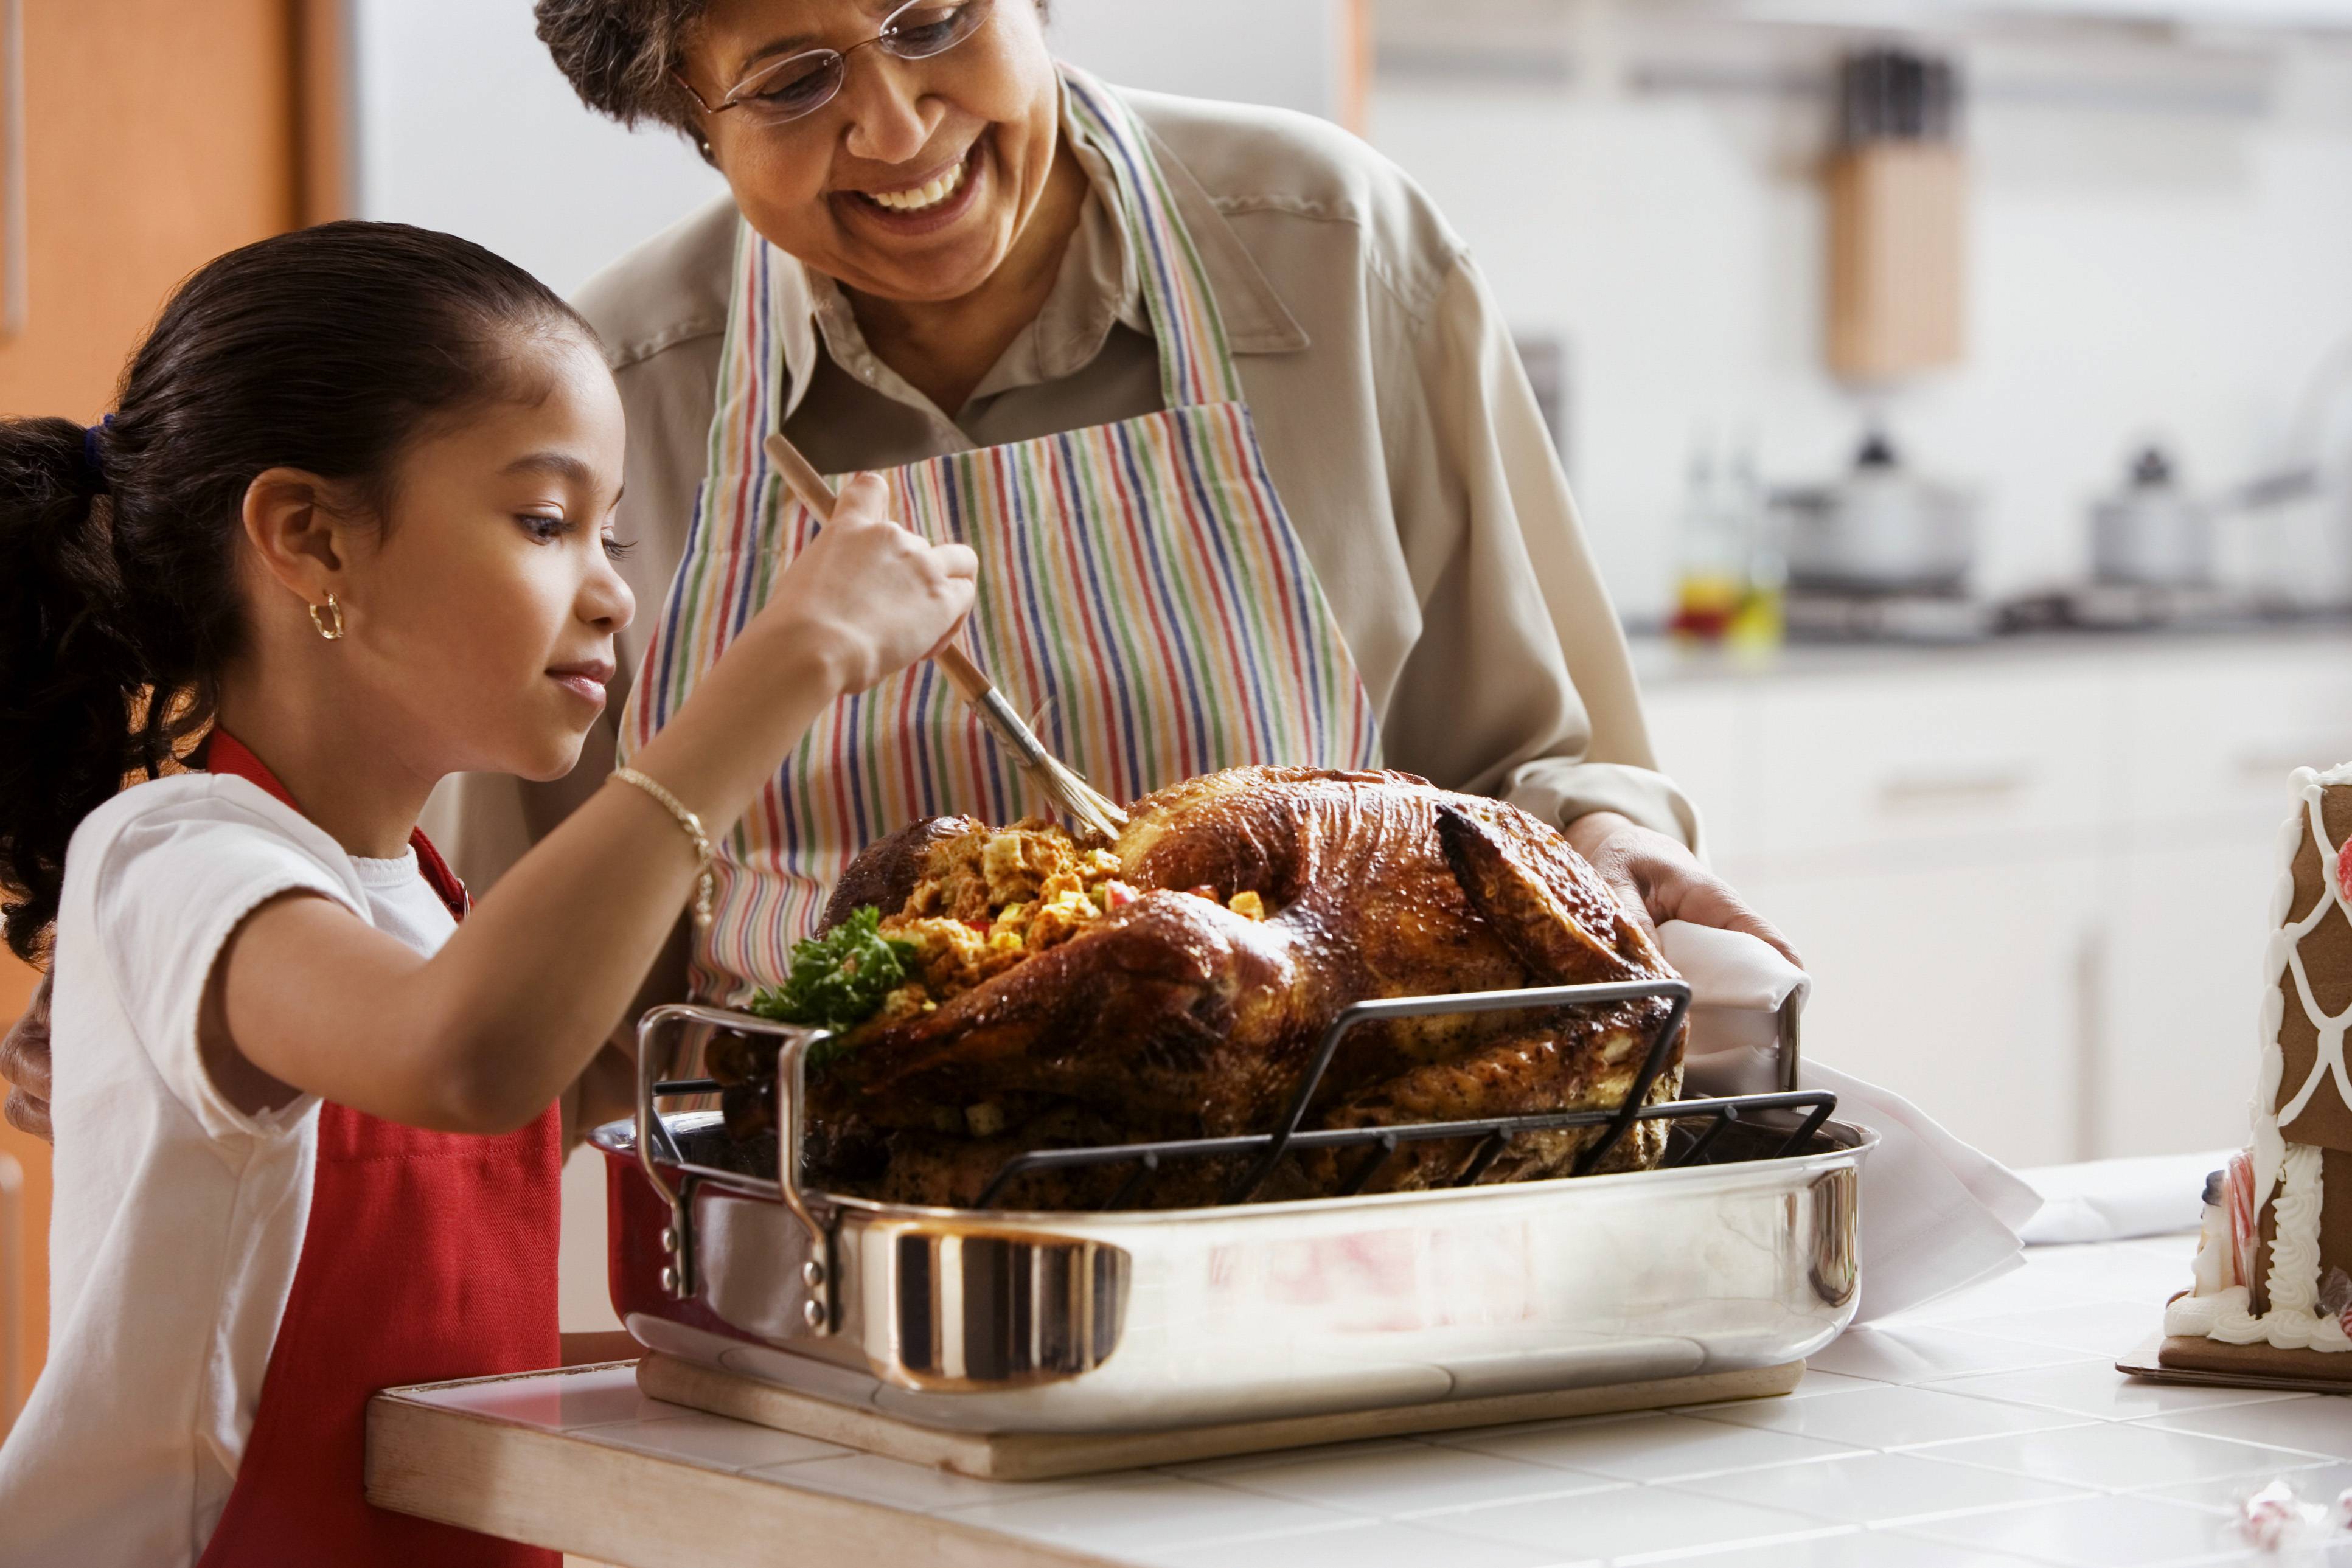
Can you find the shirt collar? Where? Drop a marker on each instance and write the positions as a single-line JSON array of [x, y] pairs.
[[1257, 321], [1098, 286]]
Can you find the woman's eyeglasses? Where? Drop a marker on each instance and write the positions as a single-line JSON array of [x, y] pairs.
[[801, 84]]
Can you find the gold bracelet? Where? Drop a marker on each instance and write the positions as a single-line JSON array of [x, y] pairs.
[[706, 885]]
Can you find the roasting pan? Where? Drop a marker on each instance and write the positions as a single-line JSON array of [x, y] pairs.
[[1744, 1255]]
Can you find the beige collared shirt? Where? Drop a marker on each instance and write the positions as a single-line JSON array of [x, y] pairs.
[[1398, 425]]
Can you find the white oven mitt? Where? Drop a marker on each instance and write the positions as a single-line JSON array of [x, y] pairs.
[[1937, 1214]]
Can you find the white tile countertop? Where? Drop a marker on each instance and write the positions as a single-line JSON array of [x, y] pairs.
[[1991, 1428]]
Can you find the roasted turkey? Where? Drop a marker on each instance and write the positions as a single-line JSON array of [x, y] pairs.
[[1209, 947]]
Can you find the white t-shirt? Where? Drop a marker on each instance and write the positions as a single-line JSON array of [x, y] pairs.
[[178, 1219]]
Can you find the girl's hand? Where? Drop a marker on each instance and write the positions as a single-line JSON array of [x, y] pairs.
[[1661, 880], [868, 596]]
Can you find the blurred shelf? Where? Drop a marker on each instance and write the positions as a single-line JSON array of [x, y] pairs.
[[2195, 57], [2191, 17], [1659, 660]]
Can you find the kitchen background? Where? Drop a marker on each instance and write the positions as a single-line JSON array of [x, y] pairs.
[[2015, 799]]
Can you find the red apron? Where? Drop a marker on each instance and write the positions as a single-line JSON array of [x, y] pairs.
[[429, 1256]]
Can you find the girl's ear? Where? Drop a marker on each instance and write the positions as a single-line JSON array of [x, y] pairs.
[[304, 538]]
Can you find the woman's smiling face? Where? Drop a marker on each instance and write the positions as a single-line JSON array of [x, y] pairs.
[[914, 180]]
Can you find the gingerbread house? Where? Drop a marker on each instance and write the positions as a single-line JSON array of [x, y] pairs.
[[2272, 1292]]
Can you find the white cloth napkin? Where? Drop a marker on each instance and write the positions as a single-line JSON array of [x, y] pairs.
[[1937, 1214], [2108, 1200], [1738, 986]]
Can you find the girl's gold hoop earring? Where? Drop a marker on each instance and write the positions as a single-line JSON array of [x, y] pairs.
[[329, 619]]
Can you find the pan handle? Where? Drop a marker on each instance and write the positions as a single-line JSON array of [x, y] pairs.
[[792, 1081], [1791, 1054]]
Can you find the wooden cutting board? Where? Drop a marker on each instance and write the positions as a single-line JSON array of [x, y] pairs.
[[1041, 1455]]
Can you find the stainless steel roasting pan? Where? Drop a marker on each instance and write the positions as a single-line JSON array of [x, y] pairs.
[[995, 1321]]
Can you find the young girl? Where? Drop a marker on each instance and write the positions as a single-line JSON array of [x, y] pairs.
[[345, 535]]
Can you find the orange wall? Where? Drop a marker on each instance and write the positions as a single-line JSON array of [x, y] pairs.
[[15, 985], [158, 134]]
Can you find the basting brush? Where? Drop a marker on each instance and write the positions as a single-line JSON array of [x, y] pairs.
[[1070, 793]]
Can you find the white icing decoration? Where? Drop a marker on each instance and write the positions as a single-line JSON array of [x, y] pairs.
[[2239, 1327], [2196, 1316], [2212, 1238], [2294, 1236], [2265, 1145], [2293, 1288], [2284, 1328], [2329, 1062]]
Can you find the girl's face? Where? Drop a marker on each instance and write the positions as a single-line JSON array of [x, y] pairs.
[[961, 143], [481, 615]]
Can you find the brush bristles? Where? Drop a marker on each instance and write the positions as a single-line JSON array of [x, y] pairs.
[[1086, 805]]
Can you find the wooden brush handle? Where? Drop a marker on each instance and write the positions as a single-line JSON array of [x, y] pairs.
[[800, 477], [969, 678]]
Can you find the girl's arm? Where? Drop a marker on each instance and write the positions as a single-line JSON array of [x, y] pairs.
[[482, 1036]]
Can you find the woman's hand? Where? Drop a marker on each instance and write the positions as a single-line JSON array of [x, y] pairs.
[[871, 596], [24, 1063], [1659, 878]]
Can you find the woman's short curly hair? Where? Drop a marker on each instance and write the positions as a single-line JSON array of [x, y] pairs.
[[621, 56], [618, 55]]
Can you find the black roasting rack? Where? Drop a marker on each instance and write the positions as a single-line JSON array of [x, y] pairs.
[[1494, 1134]]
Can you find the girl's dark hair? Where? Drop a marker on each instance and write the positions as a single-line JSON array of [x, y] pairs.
[[329, 349]]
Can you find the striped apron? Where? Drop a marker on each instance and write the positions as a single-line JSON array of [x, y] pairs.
[[1139, 588]]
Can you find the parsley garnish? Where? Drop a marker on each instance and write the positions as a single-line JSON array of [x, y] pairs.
[[838, 980]]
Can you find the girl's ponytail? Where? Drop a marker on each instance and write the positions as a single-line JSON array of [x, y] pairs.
[[72, 675], [329, 349]]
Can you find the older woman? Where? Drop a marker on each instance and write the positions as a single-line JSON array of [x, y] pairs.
[[1222, 403]]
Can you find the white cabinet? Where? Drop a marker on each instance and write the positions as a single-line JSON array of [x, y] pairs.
[[1871, 763], [2032, 886], [2208, 738], [1960, 986], [1708, 735], [2178, 959]]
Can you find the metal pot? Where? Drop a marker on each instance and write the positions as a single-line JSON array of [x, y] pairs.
[[2150, 533], [1881, 529]]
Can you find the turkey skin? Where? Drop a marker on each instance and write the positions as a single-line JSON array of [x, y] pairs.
[[1175, 984]]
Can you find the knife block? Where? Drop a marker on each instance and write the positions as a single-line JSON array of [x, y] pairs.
[[1897, 230]]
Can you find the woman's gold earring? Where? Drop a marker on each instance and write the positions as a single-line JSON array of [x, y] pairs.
[[329, 619]]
